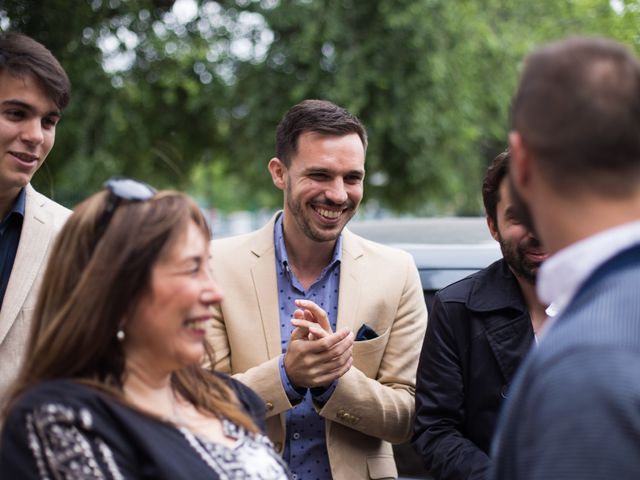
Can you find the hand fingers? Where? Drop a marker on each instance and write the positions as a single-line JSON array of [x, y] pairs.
[[311, 327], [334, 345], [318, 314], [317, 333], [310, 363], [333, 360], [328, 377], [346, 344], [326, 342], [299, 333]]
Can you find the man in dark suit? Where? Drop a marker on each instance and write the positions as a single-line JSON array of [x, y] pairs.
[[574, 410], [479, 331]]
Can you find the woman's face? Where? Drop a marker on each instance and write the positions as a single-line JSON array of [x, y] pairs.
[[167, 331]]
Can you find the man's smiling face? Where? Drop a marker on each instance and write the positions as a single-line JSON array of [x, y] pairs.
[[28, 121], [324, 184]]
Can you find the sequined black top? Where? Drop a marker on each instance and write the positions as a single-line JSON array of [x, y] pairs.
[[64, 430]]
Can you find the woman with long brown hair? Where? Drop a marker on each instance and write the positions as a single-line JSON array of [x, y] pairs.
[[112, 385]]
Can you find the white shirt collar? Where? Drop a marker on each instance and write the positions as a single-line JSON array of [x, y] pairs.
[[561, 275]]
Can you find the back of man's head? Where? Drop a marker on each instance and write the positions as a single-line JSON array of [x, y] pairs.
[[22, 56], [318, 116], [577, 110]]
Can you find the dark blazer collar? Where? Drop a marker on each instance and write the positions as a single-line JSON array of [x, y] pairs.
[[496, 293], [495, 288]]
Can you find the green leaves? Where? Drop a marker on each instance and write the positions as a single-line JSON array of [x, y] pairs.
[[202, 85]]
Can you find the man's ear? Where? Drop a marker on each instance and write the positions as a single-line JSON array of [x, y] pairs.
[[278, 173], [493, 228], [520, 164]]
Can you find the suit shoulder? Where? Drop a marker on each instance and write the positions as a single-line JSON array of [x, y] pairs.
[[231, 242], [459, 291], [257, 239]]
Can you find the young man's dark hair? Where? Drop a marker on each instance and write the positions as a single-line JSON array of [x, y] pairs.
[[21, 55], [491, 184], [318, 116], [593, 130]]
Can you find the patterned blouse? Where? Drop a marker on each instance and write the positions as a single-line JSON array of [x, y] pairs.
[[63, 430]]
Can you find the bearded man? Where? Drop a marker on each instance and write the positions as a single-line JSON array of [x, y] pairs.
[[324, 325], [480, 329]]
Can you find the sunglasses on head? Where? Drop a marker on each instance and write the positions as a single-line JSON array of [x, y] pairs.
[[122, 189]]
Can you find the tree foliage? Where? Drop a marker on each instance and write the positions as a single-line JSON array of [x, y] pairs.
[[191, 101]]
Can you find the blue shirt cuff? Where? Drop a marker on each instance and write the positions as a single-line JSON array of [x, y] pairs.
[[294, 394], [321, 395]]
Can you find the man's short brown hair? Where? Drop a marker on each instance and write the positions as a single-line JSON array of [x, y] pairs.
[[577, 110], [21, 55], [496, 172], [319, 116]]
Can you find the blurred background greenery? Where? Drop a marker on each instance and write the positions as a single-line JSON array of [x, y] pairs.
[[186, 94]]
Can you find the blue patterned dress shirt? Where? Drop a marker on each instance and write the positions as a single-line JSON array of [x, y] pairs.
[[305, 444]]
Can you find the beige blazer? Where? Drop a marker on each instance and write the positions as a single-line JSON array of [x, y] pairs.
[[373, 403], [43, 218]]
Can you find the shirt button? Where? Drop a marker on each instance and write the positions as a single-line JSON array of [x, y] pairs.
[[294, 476], [269, 406], [296, 436]]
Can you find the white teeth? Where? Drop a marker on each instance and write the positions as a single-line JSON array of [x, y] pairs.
[[328, 213], [196, 324]]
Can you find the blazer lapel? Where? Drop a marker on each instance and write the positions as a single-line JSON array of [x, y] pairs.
[[263, 273], [36, 234], [350, 282]]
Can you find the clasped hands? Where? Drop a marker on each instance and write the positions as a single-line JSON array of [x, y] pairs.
[[316, 356]]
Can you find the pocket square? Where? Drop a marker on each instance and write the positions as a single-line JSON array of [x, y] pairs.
[[365, 332]]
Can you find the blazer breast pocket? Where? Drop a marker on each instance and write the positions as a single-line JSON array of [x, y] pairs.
[[367, 354]]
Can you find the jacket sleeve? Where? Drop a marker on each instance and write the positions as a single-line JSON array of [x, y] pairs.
[[440, 413], [381, 403]]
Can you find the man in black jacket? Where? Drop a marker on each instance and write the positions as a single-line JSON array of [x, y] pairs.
[[479, 330]]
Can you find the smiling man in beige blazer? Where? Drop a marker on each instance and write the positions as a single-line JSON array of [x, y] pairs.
[[33, 91], [324, 325]]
